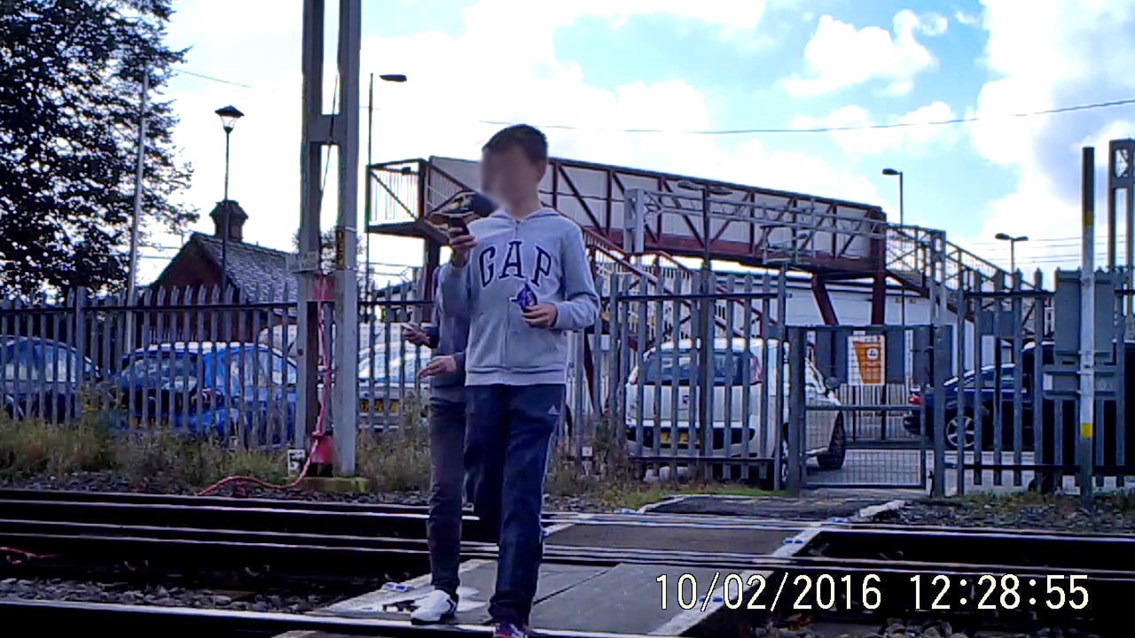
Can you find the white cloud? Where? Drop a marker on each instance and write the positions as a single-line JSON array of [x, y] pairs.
[[963, 18], [932, 24], [1042, 55], [909, 140], [839, 55], [492, 70]]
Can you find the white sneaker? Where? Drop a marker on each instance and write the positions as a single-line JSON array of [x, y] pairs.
[[435, 607]]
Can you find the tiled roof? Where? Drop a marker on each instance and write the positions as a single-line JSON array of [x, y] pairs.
[[255, 270]]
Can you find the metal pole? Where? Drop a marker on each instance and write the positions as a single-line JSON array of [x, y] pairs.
[[1087, 328], [316, 131], [1012, 255], [366, 184], [139, 174], [705, 388], [941, 364], [346, 240], [225, 216], [902, 223]]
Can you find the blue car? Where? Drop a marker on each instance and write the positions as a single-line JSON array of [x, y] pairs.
[[225, 390], [41, 378]]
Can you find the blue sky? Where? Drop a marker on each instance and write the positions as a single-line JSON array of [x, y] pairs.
[[600, 65]]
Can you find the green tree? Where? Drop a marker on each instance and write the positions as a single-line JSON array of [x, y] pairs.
[[70, 81]]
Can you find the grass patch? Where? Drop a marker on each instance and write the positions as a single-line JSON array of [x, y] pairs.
[[397, 459], [33, 448]]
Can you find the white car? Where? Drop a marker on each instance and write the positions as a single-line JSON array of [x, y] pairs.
[[660, 389]]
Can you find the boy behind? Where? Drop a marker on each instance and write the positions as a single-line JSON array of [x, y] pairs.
[[523, 278], [446, 337]]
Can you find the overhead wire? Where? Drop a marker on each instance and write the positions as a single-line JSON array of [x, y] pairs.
[[1129, 101]]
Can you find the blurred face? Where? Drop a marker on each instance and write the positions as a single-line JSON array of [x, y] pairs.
[[510, 176]]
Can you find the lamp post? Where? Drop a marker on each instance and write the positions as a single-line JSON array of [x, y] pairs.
[[1012, 248], [385, 77], [229, 115], [890, 172]]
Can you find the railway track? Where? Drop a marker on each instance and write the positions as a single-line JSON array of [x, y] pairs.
[[267, 539]]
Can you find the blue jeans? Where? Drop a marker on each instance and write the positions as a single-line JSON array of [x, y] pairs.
[[508, 437], [447, 476]]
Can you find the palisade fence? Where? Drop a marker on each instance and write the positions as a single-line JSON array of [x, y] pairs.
[[856, 406], [220, 363]]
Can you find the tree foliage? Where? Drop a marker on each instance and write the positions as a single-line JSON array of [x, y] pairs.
[[70, 82]]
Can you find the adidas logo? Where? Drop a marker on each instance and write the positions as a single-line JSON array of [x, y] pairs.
[[553, 411]]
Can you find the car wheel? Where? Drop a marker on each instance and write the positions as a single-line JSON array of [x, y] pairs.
[[833, 458], [961, 432]]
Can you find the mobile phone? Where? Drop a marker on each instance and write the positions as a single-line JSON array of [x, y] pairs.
[[458, 224]]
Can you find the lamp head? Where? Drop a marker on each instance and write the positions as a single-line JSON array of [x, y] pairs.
[[229, 115]]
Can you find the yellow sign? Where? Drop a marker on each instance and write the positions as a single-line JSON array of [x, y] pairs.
[[868, 368]]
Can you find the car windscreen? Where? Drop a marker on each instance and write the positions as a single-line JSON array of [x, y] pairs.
[[164, 370], [677, 367]]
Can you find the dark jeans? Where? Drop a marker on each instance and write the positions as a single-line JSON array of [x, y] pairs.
[[509, 431], [447, 477]]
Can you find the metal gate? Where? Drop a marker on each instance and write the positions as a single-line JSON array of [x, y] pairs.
[[857, 405]]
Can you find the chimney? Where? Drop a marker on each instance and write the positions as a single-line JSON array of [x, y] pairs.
[[236, 218]]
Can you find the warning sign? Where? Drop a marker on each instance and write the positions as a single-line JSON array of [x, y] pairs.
[[867, 368]]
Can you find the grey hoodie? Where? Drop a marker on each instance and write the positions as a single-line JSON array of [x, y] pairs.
[[545, 251], [448, 335]]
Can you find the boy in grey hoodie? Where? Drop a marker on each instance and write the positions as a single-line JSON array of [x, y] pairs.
[[447, 338], [522, 277]]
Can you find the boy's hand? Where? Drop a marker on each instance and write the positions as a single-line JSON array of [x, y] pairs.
[[414, 334], [444, 364], [541, 315], [462, 243]]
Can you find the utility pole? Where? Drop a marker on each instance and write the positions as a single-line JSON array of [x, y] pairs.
[[339, 129], [368, 206], [135, 223], [1087, 327]]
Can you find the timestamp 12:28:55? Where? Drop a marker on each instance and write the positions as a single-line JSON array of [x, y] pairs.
[[1007, 592]]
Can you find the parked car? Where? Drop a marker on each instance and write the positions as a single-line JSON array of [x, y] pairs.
[[384, 396], [664, 380], [998, 397], [40, 378], [218, 389], [961, 428]]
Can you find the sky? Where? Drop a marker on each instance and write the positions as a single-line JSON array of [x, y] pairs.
[[597, 67]]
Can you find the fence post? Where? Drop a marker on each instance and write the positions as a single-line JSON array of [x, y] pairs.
[[797, 416], [615, 347]]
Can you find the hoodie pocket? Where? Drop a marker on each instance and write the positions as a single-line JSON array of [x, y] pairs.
[[536, 350]]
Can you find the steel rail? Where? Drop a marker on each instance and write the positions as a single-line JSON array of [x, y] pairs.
[[183, 621], [372, 555], [345, 513]]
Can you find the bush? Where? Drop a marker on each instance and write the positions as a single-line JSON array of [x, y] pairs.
[[35, 447]]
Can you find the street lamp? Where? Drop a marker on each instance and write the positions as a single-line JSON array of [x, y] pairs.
[[1012, 248], [396, 78], [890, 172], [229, 115]]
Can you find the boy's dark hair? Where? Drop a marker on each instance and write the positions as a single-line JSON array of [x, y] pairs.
[[530, 140]]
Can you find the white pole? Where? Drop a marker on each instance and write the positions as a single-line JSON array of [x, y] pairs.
[[132, 281], [1087, 328]]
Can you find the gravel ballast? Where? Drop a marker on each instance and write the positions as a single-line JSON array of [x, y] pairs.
[[111, 482], [1111, 513], [167, 595]]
